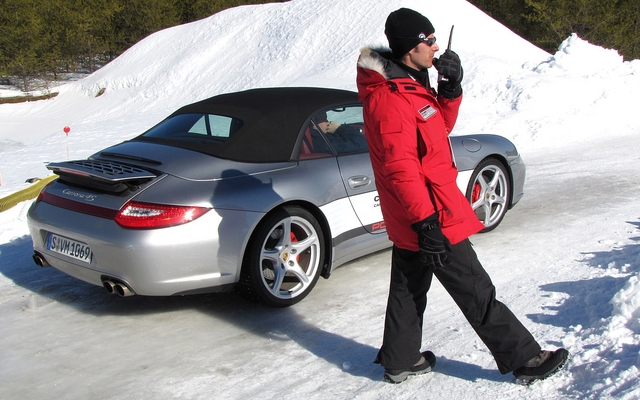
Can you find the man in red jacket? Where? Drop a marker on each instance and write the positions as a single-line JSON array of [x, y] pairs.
[[407, 124]]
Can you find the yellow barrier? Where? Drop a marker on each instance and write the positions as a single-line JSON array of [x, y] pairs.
[[25, 194]]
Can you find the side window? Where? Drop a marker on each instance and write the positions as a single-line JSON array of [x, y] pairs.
[[342, 128], [196, 129], [200, 127], [214, 125]]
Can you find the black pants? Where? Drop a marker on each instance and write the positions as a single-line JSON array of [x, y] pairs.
[[510, 343]]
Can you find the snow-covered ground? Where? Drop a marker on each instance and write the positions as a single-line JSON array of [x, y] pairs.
[[566, 259]]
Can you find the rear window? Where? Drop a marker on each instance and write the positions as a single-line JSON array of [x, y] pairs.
[[198, 128]]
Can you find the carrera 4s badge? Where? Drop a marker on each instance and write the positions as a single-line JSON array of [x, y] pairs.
[[82, 196]]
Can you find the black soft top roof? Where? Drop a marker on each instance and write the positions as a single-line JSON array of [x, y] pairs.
[[273, 119]]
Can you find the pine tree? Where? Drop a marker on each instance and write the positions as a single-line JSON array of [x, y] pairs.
[[24, 43]]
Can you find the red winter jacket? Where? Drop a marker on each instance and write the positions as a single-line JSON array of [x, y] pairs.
[[396, 108]]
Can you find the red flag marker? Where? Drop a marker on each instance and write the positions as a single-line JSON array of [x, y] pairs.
[[66, 130]]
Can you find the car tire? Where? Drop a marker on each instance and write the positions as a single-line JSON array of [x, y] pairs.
[[284, 258], [488, 192]]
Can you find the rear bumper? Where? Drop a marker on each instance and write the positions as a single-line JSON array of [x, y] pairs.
[[159, 262]]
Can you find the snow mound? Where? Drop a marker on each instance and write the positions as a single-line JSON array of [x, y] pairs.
[[579, 57], [626, 304]]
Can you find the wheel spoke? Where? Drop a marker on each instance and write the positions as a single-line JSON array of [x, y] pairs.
[[298, 272], [482, 198], [484, 185], [495, 181], [486, 209], [301, 246], [497, 199], [286, 234], [271, 255], [277, 283], [479, 203]]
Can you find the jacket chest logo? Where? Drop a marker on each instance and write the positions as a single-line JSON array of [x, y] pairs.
[[427, 112]]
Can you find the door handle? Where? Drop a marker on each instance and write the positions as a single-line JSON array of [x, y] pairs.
[[359, 181]]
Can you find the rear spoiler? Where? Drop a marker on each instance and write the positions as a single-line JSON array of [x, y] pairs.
[[102, 175]]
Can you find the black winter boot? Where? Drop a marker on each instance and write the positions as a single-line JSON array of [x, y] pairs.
[[425, 365], [541, 366]]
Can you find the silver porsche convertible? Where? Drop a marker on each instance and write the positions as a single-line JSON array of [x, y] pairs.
[[263, 190]]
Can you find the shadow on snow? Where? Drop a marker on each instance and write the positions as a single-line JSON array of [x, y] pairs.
[[589, 306], [265, 322]]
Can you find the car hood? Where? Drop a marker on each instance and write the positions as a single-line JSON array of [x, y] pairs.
[[182, 163]]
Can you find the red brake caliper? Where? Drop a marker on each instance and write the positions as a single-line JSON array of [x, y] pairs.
[[295, 239], [475, 193]]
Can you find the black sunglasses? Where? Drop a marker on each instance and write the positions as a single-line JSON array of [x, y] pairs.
[[429, 41]]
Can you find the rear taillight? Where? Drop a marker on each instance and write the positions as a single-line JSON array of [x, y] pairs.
[[43, 190], [40, 195], [136, 215]]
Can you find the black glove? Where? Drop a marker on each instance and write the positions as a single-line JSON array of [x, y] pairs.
[[434, 246], [450, 68]]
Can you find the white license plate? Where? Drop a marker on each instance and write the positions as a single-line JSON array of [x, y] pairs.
[[69, 247]]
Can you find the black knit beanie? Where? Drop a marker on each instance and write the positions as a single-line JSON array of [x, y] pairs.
[[405, 29]]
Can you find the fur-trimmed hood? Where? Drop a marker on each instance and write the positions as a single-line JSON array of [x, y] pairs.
[[377, 60], [375, 67]]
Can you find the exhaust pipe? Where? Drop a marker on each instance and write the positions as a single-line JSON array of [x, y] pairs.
[[118, 288], [39, 260], [110, 286], [123, 290]]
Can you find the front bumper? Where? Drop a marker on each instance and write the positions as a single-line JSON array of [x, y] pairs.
[[518, 171]]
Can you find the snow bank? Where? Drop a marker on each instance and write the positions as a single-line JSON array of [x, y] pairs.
[[626, 304], [579, 57]]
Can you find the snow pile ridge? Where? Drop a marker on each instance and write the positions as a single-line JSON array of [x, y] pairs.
[[579, 57], [626, 304]]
